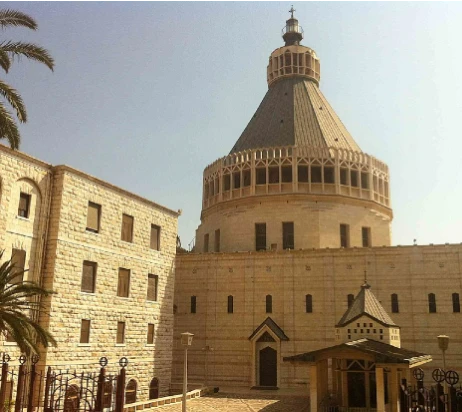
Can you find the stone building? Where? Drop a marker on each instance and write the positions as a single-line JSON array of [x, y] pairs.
[[109, 256], [292, 219]]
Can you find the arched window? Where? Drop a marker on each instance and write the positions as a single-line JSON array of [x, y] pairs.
[[130, 392], [269, 304], [309, 303], [431, 303], [455, 303], [394, 303], [350, 299], [71, 399], [154, 389], [107, 394], [230, 304]]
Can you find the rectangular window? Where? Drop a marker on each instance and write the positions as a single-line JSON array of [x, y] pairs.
[[364, 180], [85, 331], [193, 304], [127, 228], [366, 235], [246, 177], [88, 277], [18, 261], [455, 303], [150, 338], [286, 172], [273, 174], [288, 235], [206, 243], [309, 303], [354, 178], [123, 285], [153, 283], [269, 304], [344, 235], [343, 176], [431, 303], [155, 237], [120, 332], [316, 174], [230, 304], [217, 240], [303, 174], [260, 236], [394, 303], [93, 217], [226, 182], [261, 175], [24, 205], [329, 174], [237, 180]]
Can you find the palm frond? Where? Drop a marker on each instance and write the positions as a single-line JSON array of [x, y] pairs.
[[29, 50], [14, 99], [16, 18], [5, 61], [8, 128]]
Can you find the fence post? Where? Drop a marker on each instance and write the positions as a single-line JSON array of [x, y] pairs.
[[3, 386], [100, 393], [31, 388], [47, 391], [19, 389], [120, 393]]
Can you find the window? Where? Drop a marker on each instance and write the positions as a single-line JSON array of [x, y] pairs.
[[350, 299], [217, 240], [303, 174], [288, 235], [123, 285], [261, 175], [431, 303], [246, 177], [286, 172], [18, 262], [24, 205], [455, 303], [366, 235], [155, 237], [269, 304], [260, 236], [273, 174], [344, 235], [193, 304], [237, 180], [354, 178], [226, 182], [150, 338], [88, 277], [343, 176], [329, 174], [120, 332], [93, 217], [206, 243], [230, 304], [85, 331], [127, 228], [309, 303], [153, 282], [154, 389], [364, 180], [130, 392], [394, 303], [316, 174]]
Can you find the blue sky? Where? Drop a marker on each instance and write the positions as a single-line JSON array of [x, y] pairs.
[[145, 95]]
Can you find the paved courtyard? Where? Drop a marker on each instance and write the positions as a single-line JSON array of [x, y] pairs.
[[227, 402]]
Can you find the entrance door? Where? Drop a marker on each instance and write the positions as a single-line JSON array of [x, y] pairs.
[[268, 367]]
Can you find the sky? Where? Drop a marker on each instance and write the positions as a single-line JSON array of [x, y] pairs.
[[145, 95]]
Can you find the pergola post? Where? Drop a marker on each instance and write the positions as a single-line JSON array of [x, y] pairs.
[[380, 393], [394, 387], [314, 388]]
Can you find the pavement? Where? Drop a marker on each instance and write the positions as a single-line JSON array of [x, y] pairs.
[[245, 401]]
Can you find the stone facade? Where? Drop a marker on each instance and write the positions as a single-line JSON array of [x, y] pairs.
[[329, 276], [57, 242]]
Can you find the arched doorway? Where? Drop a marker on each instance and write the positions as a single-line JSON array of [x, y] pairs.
[[130, 392], [154, 389], [268, 367]]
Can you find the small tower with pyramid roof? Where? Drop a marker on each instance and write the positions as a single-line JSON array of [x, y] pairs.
[[367, 318]]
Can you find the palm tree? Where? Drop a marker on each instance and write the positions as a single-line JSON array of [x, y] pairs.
[[9, 51], [18, 300]]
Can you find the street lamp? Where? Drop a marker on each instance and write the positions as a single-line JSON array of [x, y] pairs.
[[186, 341], [443, 343]]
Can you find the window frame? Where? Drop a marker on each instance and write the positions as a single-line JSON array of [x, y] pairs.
[[156, 287], [432, 303], [206, 243], [231, 304], [124, 222], [150, 335], [259, 244], [269, 304], [366, 240], [394, 303], [119, 283], [28, 200], [288, 235], [158, 228], [94, 265], [345, 236], [308, 303], [82, 330], [455, 303], [193, 304], [217, 240], [96, 207], [120, 332]]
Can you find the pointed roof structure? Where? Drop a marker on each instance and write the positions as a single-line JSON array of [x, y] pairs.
[[365, 303], [294, 112], [273, 326]]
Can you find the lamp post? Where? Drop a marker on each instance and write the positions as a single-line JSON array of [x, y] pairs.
[[443, 343], [186, 341]]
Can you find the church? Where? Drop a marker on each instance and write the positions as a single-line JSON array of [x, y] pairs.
[[294, 219]]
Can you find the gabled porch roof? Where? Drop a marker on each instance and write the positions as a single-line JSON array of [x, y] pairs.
[[273, 326]]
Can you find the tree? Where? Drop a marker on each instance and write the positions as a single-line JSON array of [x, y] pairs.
[[18, 300], [9, 51]]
